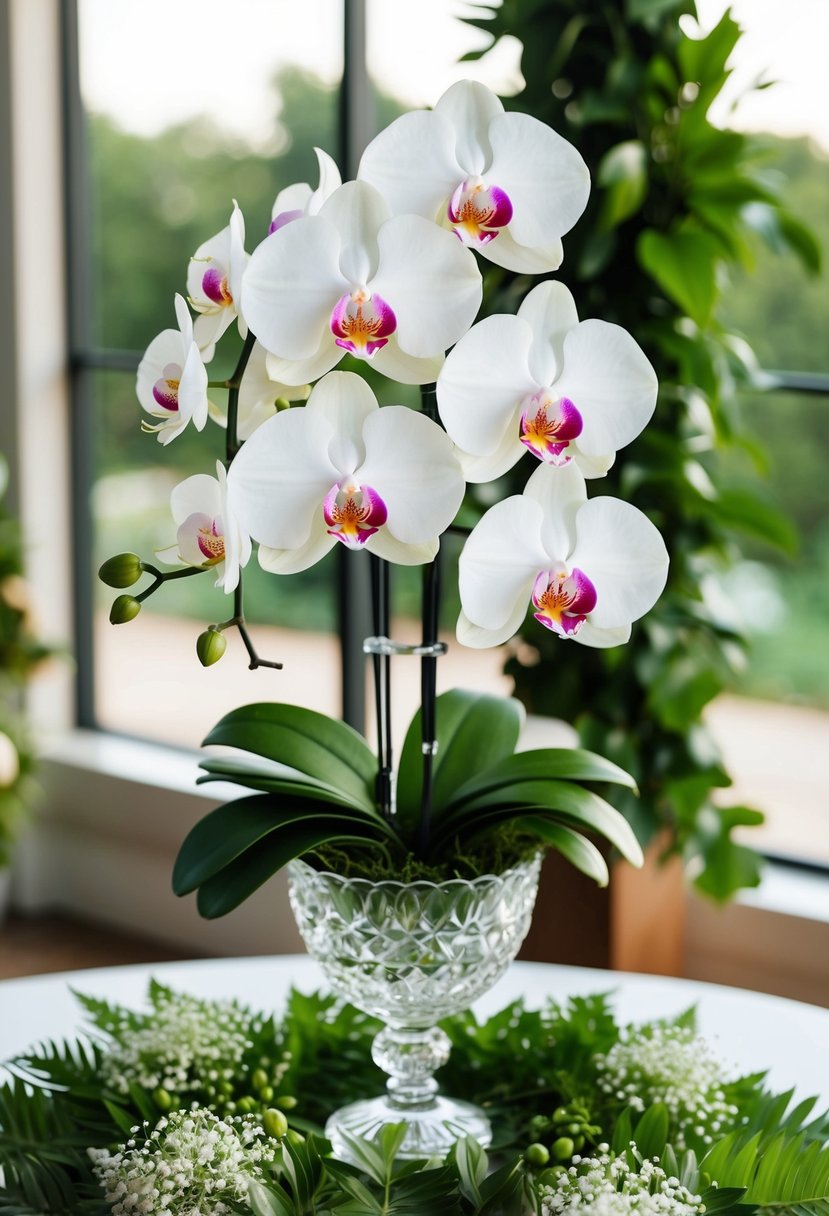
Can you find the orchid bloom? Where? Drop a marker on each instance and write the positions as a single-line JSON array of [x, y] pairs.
[[208, 535], [257, 396], [214, 283], [298, 200], [393, 290], [543, 381], [590, 568], [340, 469], [505, 183], [172, 380]]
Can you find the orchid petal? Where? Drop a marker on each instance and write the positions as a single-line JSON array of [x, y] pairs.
[[185, 321], [470, 107], [238, 257], [477, 638], [357, 211], [169, 556], [412, 463], [279, 478], [500, 561], [294, 372], [602, 639], [293, 561], [623, 555], [430, 280], [200, 493], [165, 349], [291, 283], [612, 383], [413, 164], [384, 545], [505, 251], [192, 389], [550, 312], [406, 369], [543, 174], [561, 494], [188, 538], [329, 181], [295, 197], [482, 384], [342, 402], [496, 463], [208, 329]]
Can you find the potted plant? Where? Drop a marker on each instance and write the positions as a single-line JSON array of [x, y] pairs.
[[414, 888]]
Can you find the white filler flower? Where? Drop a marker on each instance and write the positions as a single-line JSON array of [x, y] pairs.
[[607, 1186]]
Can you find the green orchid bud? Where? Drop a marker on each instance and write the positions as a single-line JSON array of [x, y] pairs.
[[266, 1093], [537, 1154], [124, 608], [563, 1148], [210, 646], [275, 1123], [122, 570], [294, 1136]]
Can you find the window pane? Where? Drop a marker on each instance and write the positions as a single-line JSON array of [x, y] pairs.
[[188, 109]]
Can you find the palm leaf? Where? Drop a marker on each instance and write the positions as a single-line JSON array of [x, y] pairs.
[[313, 743]]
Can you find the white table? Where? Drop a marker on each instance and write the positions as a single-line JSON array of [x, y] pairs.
[[749, 1031]]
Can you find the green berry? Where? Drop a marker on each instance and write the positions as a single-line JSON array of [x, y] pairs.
[[561, 1115], [573, 1128], [563, 1148], [162, 1098], [275, 1123], [537, 1154], [266, 1093], [259, 1079], [285, 1101]]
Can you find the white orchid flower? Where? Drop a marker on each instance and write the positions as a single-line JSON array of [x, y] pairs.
[[506, 183], [543, 380], [172, 380], [590, 568], [208, 535], [340, 469], [257, 395], [395, 290], [214, 283], [298, 200]]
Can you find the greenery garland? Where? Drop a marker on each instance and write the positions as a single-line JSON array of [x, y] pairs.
[[207, 1107]]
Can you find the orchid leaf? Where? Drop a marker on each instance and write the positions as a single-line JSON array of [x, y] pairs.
[[231, 830], [225, 889], [279, 779], [319, 746], [563, 799], [573, 764], [579, 851]]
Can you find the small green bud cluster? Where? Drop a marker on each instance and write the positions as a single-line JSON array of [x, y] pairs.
[[561, 1134]]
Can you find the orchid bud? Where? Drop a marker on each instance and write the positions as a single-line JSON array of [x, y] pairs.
[[124, 608], [122, 570], [537, 1154], [210, 646], [563, 1148]]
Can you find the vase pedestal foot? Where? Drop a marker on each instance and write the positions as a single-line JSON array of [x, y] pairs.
[[430, 1131]]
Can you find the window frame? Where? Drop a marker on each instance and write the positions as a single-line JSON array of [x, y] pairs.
[[78, 853]]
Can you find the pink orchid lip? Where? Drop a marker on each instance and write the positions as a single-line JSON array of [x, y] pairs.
[[283, 218], [353, 513], [214, 285], [477, 211], [211, 541], [361, 323], [548, 425], [165, 389], [563, 599]]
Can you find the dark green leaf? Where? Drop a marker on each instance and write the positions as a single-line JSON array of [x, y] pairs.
[[571, 763], [579, 851], [684, 265], [622, 173], [278, 779]]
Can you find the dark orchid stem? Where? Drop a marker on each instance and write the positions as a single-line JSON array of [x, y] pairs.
[[232, 444], [238, 619], [381, 664], [165, 576], [428, 698], [428, 664]]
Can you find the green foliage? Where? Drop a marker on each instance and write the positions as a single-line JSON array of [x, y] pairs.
[[534, 1071], [676, 208], [316, 781]]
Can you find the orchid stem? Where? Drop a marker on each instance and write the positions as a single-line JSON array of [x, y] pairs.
[[232, 443], [160, 577], [428, 664], [382, 684]]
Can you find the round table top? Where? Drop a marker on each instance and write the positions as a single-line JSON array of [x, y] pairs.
[[749, 1031]]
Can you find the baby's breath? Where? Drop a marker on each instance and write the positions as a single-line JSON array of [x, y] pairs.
[[672, 1065], [608, 1186], [189, 1045], [191, 1164]]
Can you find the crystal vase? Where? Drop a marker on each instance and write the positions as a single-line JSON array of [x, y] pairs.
[[411, 954]]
